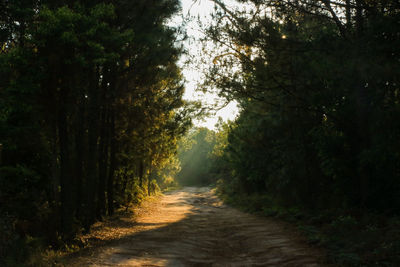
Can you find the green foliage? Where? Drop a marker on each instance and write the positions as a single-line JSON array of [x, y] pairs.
[[166, 176], [91, 111], [370, 240], [19, 186], [318, 128], [315, 127], [194, 155]]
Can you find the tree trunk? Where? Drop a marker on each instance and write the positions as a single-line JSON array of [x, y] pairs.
[[92, 171], [79, 159], [103, 159], [141, 173], [111, 170], [359, 18], [348, 15], [67, 198]]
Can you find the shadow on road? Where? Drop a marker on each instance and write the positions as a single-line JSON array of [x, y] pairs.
[[191, 227]]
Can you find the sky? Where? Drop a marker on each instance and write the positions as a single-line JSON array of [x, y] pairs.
[[201, 9]]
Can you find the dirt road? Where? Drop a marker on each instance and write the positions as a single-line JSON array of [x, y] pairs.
[[191, 227]]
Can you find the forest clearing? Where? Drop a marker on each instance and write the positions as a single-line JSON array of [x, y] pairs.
[[192, 227]]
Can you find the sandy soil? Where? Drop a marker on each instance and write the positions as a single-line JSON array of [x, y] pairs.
[[191, 227]]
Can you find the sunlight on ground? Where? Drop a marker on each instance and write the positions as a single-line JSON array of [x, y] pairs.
[[153, 222], [192, 227]]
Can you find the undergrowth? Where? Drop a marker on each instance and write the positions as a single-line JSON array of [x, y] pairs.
[[18, 249], [171, 188], [350, 238]]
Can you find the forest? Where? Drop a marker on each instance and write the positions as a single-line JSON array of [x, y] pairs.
[[92, 118], [91, 110]]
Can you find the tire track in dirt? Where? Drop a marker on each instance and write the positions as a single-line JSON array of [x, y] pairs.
[[192, 227]]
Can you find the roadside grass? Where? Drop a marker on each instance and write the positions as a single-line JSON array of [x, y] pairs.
[[171, 188], [349, 239], [32, 251], [29, 251]]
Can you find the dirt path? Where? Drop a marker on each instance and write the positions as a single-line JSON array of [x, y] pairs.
[[191, 227]]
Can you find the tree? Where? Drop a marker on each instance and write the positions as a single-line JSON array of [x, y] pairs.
[[314, 102], [194, 155], [91, 99]]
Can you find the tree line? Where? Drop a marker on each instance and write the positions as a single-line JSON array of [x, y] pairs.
[[318, 87], [91, 110]]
